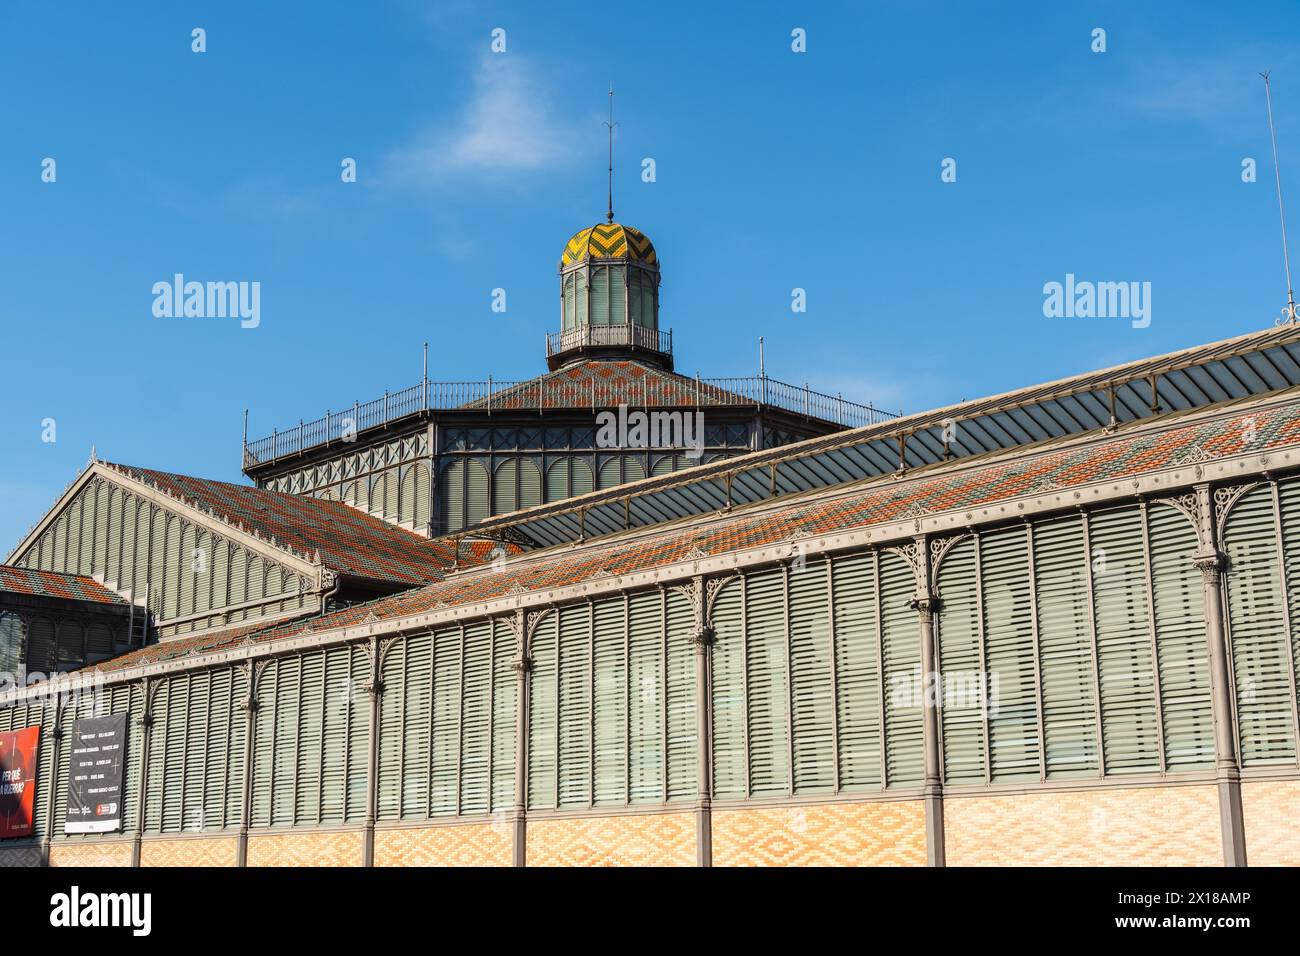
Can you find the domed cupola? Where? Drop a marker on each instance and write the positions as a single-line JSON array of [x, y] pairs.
[[609, 298]]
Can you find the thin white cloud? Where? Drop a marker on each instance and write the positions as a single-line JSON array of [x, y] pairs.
[[506, 127]]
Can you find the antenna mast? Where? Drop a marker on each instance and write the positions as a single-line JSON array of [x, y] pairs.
[[1289, 313], [609, 216]]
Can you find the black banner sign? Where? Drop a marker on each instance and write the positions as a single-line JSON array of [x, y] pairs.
[[95, 775]]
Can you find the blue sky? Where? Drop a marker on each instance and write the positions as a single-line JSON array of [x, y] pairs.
[[775, 170]]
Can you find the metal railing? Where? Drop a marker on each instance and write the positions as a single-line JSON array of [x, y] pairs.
[[588, 336], [557, 392]]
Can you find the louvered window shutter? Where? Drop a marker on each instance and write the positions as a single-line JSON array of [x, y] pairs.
[[1009, 652], [647, 758], [900, 644], [231, 794], [358, 735], [574, 732], [1184, 668], [542, 715], [476, 718], [477, 492], [680, 704], [1125, 673], [113, 539], [728, 705], [1065, 647], [445, 768], [504, 703], [288, 706], [316, 697], [857, 669], [174, 732], [610, 707], [407, 707], [1262, 672], [504, 487], [530, 483], [810, 677], [765, 644], [343, 699], [961, 664]]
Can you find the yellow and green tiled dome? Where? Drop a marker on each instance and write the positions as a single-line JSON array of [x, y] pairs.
[[608, 240]]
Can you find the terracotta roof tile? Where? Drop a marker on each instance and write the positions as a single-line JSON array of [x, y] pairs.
[[74, 587]]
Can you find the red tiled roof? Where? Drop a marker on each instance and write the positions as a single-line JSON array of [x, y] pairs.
[[74, 587], [349, 541], [608, 383], [879, 501]]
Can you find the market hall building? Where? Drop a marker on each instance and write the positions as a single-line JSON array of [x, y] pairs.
[[1053, 626]]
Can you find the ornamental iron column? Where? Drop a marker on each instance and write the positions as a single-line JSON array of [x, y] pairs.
[[521, 628], [1211, 561], [248, 704], [373, 689], [57, 734], [925, 600], [148, 689]]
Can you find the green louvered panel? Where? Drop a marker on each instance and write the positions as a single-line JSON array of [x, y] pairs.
[[264, 723], [1261, 661], [1179, 601], [574, 690], [394, 705], [610, 473], [103, 494], [143, 544], [187, 572], [765, 665], [1129, 722], [445, 766], [175, 567], [662, 466], [557, 480], [505, 487], [453, 495], [581, 298], [728, 705], [1009, 653], [34, 715], [40, 645], [476, 720], [345, 705], [315, 698], [126, 572], [541, 715], [421, 505], [231, 794], [600, 295], [857, 672], [633, 468], [358, 735], [204, 577], [504, 693], [570, 307], [617, 295], [683, 759], [256, 581], [174, 711], [220, 574], [196, 742], [113, 539], [59, 532], [1065, 647], [900, 645], [811, 690], [961, 665], [153, 812], [407, 495], [70, 650], [289, 703], [530, 483], [238, 576], [73, 563], [610, 708], [1289, 501], [646, 758], [476, 492], [416, 656]]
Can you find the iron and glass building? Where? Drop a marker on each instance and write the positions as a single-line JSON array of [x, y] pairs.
[[1059, 625]]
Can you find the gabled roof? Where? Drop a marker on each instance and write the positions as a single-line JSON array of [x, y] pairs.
[[72, 587], [348, 541], [960, 486]]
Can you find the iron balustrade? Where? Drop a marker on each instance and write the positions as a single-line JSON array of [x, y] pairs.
[[588, 336], [556, 392]]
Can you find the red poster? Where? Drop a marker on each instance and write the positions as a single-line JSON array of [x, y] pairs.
[[17, 780]]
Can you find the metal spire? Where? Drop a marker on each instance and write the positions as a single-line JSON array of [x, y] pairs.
[[1289, 313], [609, 216]]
